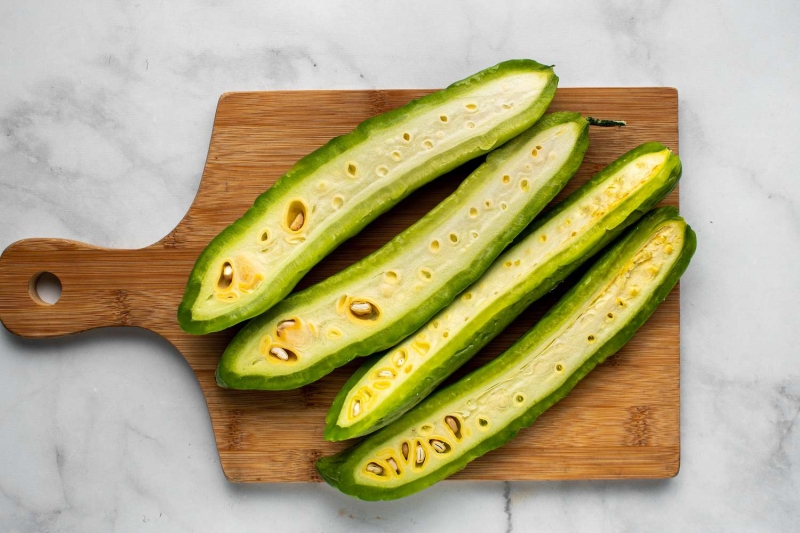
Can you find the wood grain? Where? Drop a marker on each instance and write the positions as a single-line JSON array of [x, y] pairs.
[[622, 421]]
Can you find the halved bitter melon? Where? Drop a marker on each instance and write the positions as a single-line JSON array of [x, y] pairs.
[[378, 301], [592, 216], [488, 407], [331, 194]]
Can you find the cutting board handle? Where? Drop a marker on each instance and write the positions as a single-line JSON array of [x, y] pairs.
[[100, 287]]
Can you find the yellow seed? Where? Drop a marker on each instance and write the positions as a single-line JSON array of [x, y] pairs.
[[420, 455], [283, 325], [280, 353], [361, 308], [375, 468], [297, 223]]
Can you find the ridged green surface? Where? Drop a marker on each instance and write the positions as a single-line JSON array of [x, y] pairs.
[[551, 249], [511, 391], [348, 182], [414, 275]]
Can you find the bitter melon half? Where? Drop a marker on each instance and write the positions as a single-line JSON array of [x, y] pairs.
[[332, 193], [488, 407], [390, 384], [381, 299]]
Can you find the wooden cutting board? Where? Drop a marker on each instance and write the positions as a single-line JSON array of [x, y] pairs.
[[622, 421]]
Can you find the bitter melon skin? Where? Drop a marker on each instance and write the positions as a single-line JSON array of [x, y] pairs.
[[417, 273], [622, 263], [573, 231], [341, 187]]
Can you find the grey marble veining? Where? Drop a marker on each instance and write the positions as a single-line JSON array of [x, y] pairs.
[[105, 115]]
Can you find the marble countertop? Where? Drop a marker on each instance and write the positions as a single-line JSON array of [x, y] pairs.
[[105, 115]]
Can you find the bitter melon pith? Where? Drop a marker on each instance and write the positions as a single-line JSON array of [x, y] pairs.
[[488, 407], [381, 299], [384, 388], [331, 194]]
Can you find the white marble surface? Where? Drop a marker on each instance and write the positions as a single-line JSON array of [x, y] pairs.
[[105, 116]]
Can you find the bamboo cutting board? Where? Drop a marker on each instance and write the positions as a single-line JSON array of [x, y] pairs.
[[622, 421]]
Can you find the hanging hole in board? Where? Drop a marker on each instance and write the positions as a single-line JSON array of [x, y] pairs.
[[45, 288]]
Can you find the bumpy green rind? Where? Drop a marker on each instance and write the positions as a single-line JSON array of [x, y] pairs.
[[281, 283], [337, 469], [467, 342], [388, 336]]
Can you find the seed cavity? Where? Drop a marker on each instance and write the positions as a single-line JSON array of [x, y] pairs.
[[421, 347], [454, 424], [296, 215], [443, 118], [391, 276], [381, 171], [559, 367], [590, 338], [508, 105], [473, 212], [264, 236], [375, 468], [482, 422], [337, 201], [352, 170], [469, 124], [396, 155], [503, 206], [386, 373], [434, 246], [283, 355], [393, 465], [420, 455], [471, 107], [439, 446], [283, 324], [363, 310], [506, 179], [427, 144], [520, 398], [610, 315], [225, 276], [543, 238], [534, 152], [381, 385], [406, 137], [333, 333], [468, 296], [524, 185], [454, 238], [404, 449], [473, 234], [399, 359], [356, 409], [425, 273]]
